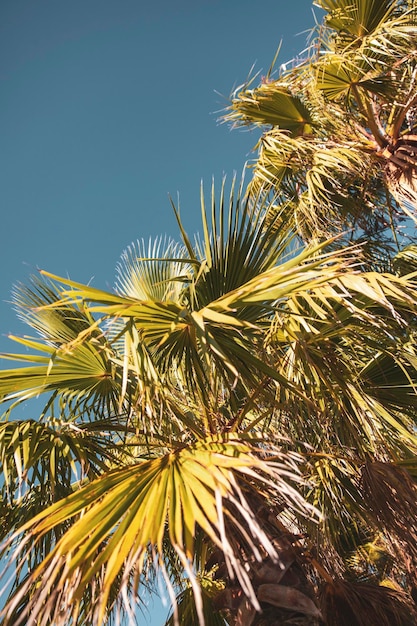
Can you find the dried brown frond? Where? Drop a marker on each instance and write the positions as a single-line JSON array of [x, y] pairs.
[[360, 604], [391, 497]]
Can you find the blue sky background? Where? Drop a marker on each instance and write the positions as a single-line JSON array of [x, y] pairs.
[[108, 106]]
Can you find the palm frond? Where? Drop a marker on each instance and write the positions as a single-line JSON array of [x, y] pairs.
[[358, 17], [405, 262], [344, 603], [185, 612], [55, 326], [83, 371], [153, 272], [42, 453], [124, 512], [391, 498], [269, 105]]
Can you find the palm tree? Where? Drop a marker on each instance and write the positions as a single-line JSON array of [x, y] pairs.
[[238, 417], [339, 144]]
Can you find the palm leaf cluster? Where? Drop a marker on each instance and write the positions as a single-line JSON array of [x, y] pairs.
[[212, 416], [339, 143], [237, 418]]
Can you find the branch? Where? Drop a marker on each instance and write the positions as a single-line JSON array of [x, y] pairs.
[[369, 114]]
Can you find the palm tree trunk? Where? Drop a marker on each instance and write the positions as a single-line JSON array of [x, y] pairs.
[[281, 585]]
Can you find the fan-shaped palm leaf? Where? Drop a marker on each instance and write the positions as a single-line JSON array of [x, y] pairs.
[[125, 511]]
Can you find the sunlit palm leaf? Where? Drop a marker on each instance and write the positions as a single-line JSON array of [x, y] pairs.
[[127, 510], [237, 245], [269, 105], [337, 495], [155, 272], [358, 17], [56, 326], [337, 76], [83, 370]]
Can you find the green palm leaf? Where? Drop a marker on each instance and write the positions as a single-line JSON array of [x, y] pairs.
[[269, 105], [358, 17], [186, 612], [337, 76], [35, 452], [83, 370]]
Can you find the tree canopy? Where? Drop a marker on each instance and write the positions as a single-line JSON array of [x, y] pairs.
[[340, 146], [238, 415]]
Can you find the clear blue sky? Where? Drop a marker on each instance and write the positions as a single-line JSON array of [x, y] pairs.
[[108, 106]]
